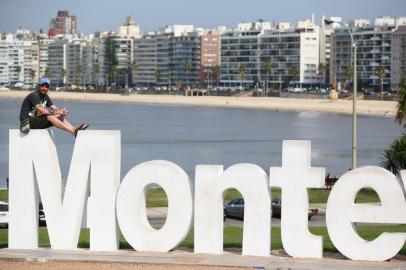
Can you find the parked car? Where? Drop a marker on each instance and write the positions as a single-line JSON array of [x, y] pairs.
[[235, 208], [41, 215], [277, 206], [3, 214]]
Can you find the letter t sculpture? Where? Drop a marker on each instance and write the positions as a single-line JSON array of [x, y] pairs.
[[294, 177]]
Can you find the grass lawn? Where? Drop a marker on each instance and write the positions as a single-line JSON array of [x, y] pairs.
[[157, 197], [233, 237], [4, 195]]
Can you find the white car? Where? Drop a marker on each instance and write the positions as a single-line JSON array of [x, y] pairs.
[[3, 214]]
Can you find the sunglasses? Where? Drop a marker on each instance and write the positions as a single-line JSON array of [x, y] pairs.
[[45, 85]]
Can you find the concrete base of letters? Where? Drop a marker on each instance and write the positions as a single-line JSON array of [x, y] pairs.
[[188, 258]]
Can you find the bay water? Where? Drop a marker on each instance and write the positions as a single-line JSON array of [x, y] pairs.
[[194, 135]]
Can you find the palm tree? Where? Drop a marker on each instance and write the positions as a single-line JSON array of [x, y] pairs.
[[395, 156], [47, 72], [217, 72], [186, 67], [349, 73], [78, 71], [268, 69], [124, 71], [113, 74], [157, 75], [96, 71], [381, 73], [242, 73], [32, 76], [322, 72], [132, 67], [294, 71], [18, 70], [400, 117], [62, 72]]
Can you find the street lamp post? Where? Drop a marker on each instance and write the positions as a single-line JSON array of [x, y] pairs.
[[354, 95]]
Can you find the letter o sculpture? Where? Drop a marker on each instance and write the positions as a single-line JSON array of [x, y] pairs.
[[131, 208]]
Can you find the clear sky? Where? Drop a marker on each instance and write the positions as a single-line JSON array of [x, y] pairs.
[[107, 15]]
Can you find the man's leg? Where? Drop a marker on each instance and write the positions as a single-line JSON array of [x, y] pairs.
[[66, 122], [61, 124]]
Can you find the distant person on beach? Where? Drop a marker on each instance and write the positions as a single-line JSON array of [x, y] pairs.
[[39, 112]]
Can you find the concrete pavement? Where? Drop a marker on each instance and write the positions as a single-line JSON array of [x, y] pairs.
[[182, 257]]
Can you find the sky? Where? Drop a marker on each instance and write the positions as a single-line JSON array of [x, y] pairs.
[[151, 15]]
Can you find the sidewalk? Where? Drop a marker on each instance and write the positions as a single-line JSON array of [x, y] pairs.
[[187, 258]]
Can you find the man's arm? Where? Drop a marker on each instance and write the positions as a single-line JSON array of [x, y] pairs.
[[57, 110], [42, 110]]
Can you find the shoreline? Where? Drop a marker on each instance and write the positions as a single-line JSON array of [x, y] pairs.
[[376, 108]]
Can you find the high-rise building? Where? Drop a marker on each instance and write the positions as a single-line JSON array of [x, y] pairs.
[[43, 43], [168, 57], [63, 24], [130, 29], [11, 60], [240, 55], [398, 63], [245, 51], [374, 51], [145, 57], [209, 56], [56, 61]]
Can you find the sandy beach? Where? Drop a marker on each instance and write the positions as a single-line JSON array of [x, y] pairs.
[[364, 107]]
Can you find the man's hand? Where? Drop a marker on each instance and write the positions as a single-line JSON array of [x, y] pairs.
[[64, 112]]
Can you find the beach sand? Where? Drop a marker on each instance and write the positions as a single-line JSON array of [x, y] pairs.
[[364, 107]]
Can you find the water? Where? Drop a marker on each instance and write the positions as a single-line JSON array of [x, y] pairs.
[[189, 136]]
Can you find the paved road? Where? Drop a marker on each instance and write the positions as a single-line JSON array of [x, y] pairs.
[[157, 217], [316, 221]]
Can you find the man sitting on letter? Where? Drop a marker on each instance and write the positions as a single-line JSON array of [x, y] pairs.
[[39, 112]]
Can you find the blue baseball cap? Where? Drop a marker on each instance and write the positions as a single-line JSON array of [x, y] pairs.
[[44, 80]]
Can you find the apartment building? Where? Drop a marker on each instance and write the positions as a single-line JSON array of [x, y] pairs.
[[398, 51], [31, 61], [374, 50], [11, 59], [63, 24], [168, 58], [209, 57], [57, 61], [43, 43], [244, 53], [145, 49], [240, 55]]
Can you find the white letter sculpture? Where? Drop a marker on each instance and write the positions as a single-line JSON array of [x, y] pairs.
[[341, 212], [131, 208], [294, 177], [34, 166], [210, 185]]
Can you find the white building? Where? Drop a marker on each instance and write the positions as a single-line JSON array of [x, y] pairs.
[[398, 61], [374, 51], [11, 60], [57, 61], [130, 29], [287, 48]]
